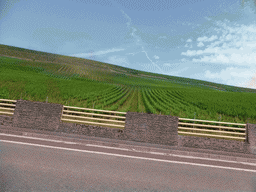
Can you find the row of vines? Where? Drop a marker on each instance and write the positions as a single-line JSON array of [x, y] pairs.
[[20, 81]]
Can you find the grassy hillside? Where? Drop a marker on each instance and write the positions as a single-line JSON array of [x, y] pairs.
[[34, 76]]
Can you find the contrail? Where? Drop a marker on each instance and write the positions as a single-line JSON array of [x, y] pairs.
[[136, 37]]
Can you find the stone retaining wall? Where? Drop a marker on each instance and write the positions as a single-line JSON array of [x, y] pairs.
[[6, 120], [37, 115], [140, 127], [252, 137], [213, 144], [151, 128], [90, 130]]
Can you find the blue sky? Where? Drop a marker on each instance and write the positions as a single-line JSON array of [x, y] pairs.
[[211, 40]]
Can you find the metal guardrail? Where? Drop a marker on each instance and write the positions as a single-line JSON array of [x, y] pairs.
[[7, 108], [200, 126], [74, 114]]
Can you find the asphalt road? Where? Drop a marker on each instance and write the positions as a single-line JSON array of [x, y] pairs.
[[37, 165]]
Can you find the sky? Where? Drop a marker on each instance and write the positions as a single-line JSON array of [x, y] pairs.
[[210, 40]]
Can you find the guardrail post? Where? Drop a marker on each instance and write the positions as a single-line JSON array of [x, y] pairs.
[[220, 124], [246, 133], [194, 118], [93, 107]]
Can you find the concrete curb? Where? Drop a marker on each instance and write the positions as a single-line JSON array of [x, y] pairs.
[[130, 146]]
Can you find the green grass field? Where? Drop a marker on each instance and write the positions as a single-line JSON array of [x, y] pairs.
[[34, 76]]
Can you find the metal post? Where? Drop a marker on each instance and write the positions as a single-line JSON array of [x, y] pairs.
[[219, 124], [93, 108], [194, 118], [47, 99], [246, 133]]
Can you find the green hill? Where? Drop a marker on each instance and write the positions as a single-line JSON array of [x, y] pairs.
[[33, 75]]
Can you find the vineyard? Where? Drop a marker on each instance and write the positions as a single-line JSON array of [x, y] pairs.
[[75, 85]]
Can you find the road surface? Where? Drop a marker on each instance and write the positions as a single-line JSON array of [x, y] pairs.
[[39, 165]]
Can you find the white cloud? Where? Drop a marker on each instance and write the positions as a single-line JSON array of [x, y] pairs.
[[212, 38], [132, 53], [192, 53], [200, 44], [187, 23], [207, 18], [156, 57], [206, 39], [118, 60], [250, 83], [97, 52], [224, 57], [236, 45], [189, 40], [167, 64], [202, 38], [184, 60], [234, 76], [188, 46]]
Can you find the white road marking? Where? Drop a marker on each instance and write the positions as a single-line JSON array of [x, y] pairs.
[[69, 142], [157, 153], [170, 154], [152, 159], [35, 138], [107, 147], [193, 157]]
